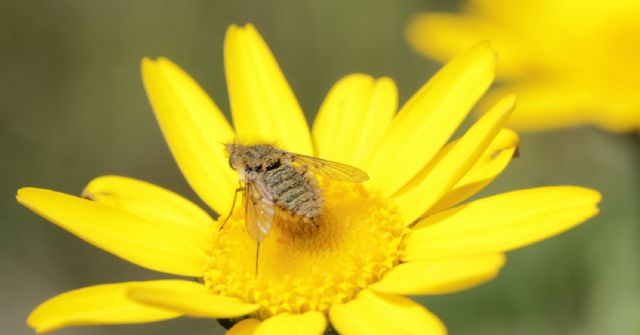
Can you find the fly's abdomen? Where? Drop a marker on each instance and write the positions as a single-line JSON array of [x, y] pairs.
[[295, 191]]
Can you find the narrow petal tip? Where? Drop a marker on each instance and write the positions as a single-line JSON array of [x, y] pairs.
[[39, 327], [146, 63], [240, 28], [25, 195], [19, 194], [480, 54], [483, 47], [584, 194]]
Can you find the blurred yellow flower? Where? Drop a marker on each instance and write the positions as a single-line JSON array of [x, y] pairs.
[[570, 62], [355, 271]]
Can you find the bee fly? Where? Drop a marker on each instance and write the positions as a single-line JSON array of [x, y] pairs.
[[276, 184]]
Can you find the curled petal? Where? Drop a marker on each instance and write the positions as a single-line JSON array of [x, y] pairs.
[[433, 182], [491, 163], [430, 117]]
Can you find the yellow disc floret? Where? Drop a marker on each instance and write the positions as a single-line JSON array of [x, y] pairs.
[[358, 239]]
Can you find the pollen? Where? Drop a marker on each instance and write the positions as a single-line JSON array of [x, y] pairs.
[[357, 240]]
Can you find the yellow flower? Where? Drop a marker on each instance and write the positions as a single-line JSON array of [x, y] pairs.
[[570, 62], [368, 253]]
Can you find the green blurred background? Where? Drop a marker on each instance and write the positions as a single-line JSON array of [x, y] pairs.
[[73, 108]]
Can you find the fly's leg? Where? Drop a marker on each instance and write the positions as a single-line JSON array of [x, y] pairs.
[[257, 257], [233, 205]]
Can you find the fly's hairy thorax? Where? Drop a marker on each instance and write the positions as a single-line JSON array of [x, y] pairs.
[[295, 191]]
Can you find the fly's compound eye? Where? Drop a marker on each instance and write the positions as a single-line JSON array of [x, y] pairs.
[[273, 165], [257, 168]]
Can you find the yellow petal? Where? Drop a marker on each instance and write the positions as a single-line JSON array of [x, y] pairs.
[[378, 313], [439, 276], [162, 207], [194, 129], [121, 233], [492, 162], [309, 323], [244, 327], [440, 36], [502, 222], [433, 182], [191, 299], [262, 104], [353, 118], [96, 305], [430, 117], [552, 104]]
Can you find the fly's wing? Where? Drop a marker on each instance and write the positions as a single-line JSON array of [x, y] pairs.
[[333, 170], [259, 209]]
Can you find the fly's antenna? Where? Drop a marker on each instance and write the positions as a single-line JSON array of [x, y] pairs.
[[228, 147]]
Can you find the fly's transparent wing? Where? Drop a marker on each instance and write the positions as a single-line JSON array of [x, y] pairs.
[[259, 209], [333, 170]]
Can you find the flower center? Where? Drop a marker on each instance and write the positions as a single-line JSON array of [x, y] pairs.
[[357, 240]]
